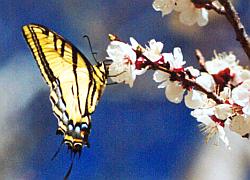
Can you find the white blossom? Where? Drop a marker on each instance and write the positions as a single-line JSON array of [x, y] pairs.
[[195, 99], [211, 128], [165, 6], [161, 77], [176, 59], [153, 52], [123, 67], [221, 61], [189, 13], [174, 91], [211, 115], [206, 81], [241, 96], [223, 111]]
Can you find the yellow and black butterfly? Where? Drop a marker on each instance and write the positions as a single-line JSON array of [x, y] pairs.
[[75, 85]]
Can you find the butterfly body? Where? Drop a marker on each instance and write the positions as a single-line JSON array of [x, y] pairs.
[[75, 85]]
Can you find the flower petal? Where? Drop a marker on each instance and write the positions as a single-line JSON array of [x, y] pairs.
[[206, 81], [222, 136], [246, 109], [202, 19], [195, 99], [202, 115], [160, 76], [174, 92], [240, 95], [194, 72], [223, 111], [165, 6]]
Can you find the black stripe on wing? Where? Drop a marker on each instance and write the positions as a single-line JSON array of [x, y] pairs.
[[42, 58], [46, 31]]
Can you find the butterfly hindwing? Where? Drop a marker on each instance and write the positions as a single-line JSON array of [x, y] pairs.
[[75, 85]]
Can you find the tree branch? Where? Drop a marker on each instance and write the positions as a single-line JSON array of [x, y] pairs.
[[188, 82], [241, 34]]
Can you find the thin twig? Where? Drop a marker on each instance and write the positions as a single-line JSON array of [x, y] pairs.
[[234, 19], [200, 59], [216, 8], [209, 5], [211, 95]]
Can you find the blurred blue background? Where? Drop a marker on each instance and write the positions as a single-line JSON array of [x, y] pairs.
[[136, 133]]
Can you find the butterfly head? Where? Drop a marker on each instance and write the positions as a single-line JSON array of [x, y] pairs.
[[75, 134]]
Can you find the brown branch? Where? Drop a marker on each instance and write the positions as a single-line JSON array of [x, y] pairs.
[[209, 5], [241, 34], [198, 87], [212, 6]]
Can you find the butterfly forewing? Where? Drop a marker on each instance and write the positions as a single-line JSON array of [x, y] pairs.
[[53, 53]]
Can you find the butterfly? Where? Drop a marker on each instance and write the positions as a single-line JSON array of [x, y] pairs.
[[75, 85]]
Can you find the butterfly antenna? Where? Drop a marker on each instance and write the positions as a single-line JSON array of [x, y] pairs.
[[58, 150], [70, 169], [90, 46]]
